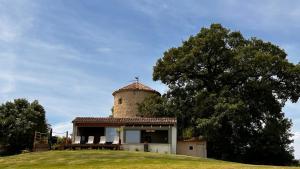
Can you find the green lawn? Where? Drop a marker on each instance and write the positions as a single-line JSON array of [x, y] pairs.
[[116, 159]]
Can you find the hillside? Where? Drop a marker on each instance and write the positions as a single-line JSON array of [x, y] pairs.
[[116, 159]]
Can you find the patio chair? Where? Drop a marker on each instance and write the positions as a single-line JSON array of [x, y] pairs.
[[90, 140], [77, 140], [102, 140], [116, 140]]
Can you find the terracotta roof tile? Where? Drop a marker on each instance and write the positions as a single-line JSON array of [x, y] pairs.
[[193, 139], [127, 121], [135, 86]]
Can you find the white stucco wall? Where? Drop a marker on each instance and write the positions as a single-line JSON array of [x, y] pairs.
[[74, 134], [173, 139], [156, 148], [160, 148]]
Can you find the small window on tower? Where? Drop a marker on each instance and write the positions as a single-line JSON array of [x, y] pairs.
[[120, 101]]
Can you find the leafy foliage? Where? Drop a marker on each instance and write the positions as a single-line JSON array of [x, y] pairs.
[[18, 122], [154, 105], [231, 90]]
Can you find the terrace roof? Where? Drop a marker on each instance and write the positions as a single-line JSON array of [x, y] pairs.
[[125, 121]]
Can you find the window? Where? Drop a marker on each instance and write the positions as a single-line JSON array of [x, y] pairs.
[[132, 136], [191, 147], [154, 136], [110, 133], [120, 101]]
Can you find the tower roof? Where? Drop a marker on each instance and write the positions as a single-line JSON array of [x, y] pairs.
[[136, 86]]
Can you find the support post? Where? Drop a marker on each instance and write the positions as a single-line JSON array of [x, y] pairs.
[[50, 139], [67, 137], [34, 140]]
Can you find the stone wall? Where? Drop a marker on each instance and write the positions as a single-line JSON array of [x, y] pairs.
[[197, 149], [125, 102]]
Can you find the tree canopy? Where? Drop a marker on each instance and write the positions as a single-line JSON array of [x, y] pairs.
[[231, 90], [18, 122]]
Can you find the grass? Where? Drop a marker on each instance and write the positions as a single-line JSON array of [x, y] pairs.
[[91, 159]]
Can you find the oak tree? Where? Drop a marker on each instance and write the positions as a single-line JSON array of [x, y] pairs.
[[231, 90]]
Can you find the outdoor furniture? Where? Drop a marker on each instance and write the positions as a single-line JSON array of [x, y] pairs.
[[77, 140], [116, 140], [90, 140], [102, 140], [103, 144], [91, 145]]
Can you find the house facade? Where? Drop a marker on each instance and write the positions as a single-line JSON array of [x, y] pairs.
[[135, 133]]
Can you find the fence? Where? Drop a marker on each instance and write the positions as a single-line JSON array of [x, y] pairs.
[[44, 141]]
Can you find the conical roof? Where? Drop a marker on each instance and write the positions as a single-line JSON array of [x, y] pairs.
[[135, 86]]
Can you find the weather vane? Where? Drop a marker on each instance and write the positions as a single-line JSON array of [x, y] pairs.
[[136, 79]]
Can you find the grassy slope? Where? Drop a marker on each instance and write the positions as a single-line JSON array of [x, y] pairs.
[[116, 159]]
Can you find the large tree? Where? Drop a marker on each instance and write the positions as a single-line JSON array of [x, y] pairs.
[[231, 90], [18, 122]]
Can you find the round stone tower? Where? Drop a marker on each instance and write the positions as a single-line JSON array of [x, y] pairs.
[[126, 99]]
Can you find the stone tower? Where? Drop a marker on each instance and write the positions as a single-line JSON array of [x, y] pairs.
[[126, 99]]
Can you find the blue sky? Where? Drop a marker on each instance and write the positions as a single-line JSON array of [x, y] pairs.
[[71, 55]]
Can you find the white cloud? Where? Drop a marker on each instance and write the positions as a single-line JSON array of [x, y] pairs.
[[59, 51], [60, 129], [150, 8], [297, 136], [15, 19], [7, 84], [7, 31], [104, 49], [296, 144], [7, 65]]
